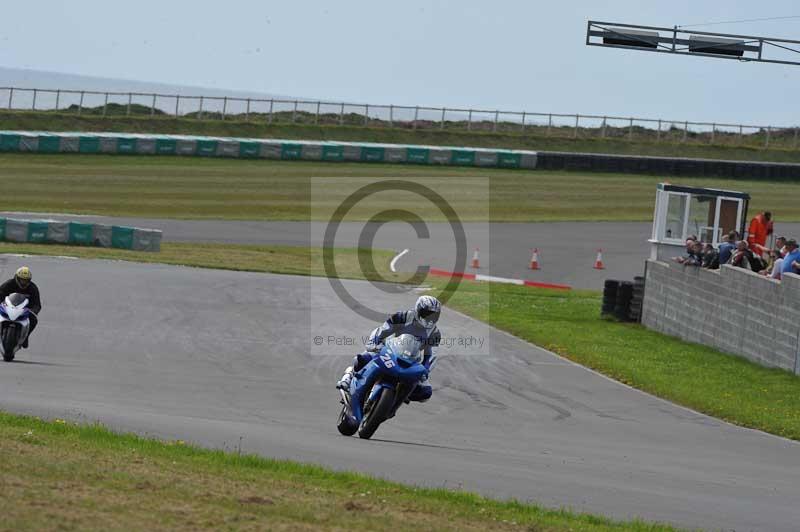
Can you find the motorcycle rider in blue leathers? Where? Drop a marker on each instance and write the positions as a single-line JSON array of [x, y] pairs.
[[421, 323]]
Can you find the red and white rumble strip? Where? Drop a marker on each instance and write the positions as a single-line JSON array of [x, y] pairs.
[[493, 279]]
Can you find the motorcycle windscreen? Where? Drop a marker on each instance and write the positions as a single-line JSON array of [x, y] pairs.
[[17, 299], [406, 346]]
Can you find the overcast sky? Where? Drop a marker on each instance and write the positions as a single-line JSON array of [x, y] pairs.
[[515, 55]]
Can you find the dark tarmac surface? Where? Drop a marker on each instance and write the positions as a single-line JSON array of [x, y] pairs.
[[224, 359]]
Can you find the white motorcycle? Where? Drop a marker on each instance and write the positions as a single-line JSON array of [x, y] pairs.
[[14, 324]]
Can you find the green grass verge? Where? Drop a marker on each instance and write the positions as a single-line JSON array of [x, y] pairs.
[[60, 476], [274, 259], [568, 323], [177, 187], [554, 139]]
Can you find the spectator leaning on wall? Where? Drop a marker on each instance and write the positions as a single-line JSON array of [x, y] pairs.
[[790, 261], [727, 247], [779, 252], [710, 257], [744, 258], [694, 253], [760, 229], [688, 248]]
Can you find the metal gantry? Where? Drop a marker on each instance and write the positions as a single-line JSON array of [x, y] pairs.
[[699, 43]]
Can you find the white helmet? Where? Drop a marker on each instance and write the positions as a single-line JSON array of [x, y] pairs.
[[427, 310]]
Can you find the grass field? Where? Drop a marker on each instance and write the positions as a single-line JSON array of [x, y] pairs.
[[174, 187], [557, 139], [59, 476]]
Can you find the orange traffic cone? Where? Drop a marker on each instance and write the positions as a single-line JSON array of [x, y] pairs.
[[598, 263], [535, 259], [475, 261]]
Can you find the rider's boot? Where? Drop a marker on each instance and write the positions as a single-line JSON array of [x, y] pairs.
[[25, 343], [347, 378]]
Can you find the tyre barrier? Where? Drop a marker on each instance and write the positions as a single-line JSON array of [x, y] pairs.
[[674, 166], [635, 312], [623, 299], [622, 306], [79, 234], [610, 288]]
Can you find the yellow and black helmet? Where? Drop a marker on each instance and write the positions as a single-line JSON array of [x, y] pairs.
[[23, 276]]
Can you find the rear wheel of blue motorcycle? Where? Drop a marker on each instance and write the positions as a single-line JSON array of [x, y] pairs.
[[377, 414], [344, 424]]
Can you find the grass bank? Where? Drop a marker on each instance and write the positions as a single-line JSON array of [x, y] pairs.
[[59, 476], [541, 138], [194, 188], [692, 375]]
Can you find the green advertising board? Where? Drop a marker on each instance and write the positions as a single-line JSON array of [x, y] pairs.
[[249, 149], [37, 232], [291, 151], [372, 154], [89, 145], [2, 229], [49, 144], [417, 155], [508, 160], [206, 148], [121, 237], [126, 145], [80, 234], [166, 146], [462, 157], [9, 142], [332, 153]]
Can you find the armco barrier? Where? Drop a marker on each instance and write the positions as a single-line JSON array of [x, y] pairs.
[[57, 232], [141, 144]]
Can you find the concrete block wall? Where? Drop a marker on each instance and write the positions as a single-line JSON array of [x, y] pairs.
[[731, 309]]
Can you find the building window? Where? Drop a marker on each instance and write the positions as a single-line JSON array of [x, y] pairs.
[[676, 210], [702, 211]]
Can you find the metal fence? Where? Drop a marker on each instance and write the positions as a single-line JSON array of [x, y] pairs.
[[313, 112]]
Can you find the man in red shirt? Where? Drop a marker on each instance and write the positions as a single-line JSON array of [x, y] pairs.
[[760, 229]]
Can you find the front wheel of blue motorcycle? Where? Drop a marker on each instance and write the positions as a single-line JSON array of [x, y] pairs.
[[377, 414], [345, 426]]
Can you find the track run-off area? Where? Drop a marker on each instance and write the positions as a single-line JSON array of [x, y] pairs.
[[117, 345], [566, 250]]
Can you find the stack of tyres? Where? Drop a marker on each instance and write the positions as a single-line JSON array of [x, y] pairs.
[[636, 301], [624, 297], [610, 288]]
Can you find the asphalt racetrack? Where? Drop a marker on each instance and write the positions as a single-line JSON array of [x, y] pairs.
[[225, 359]]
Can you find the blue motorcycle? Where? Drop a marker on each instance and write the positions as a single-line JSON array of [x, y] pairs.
[[380, 387]]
